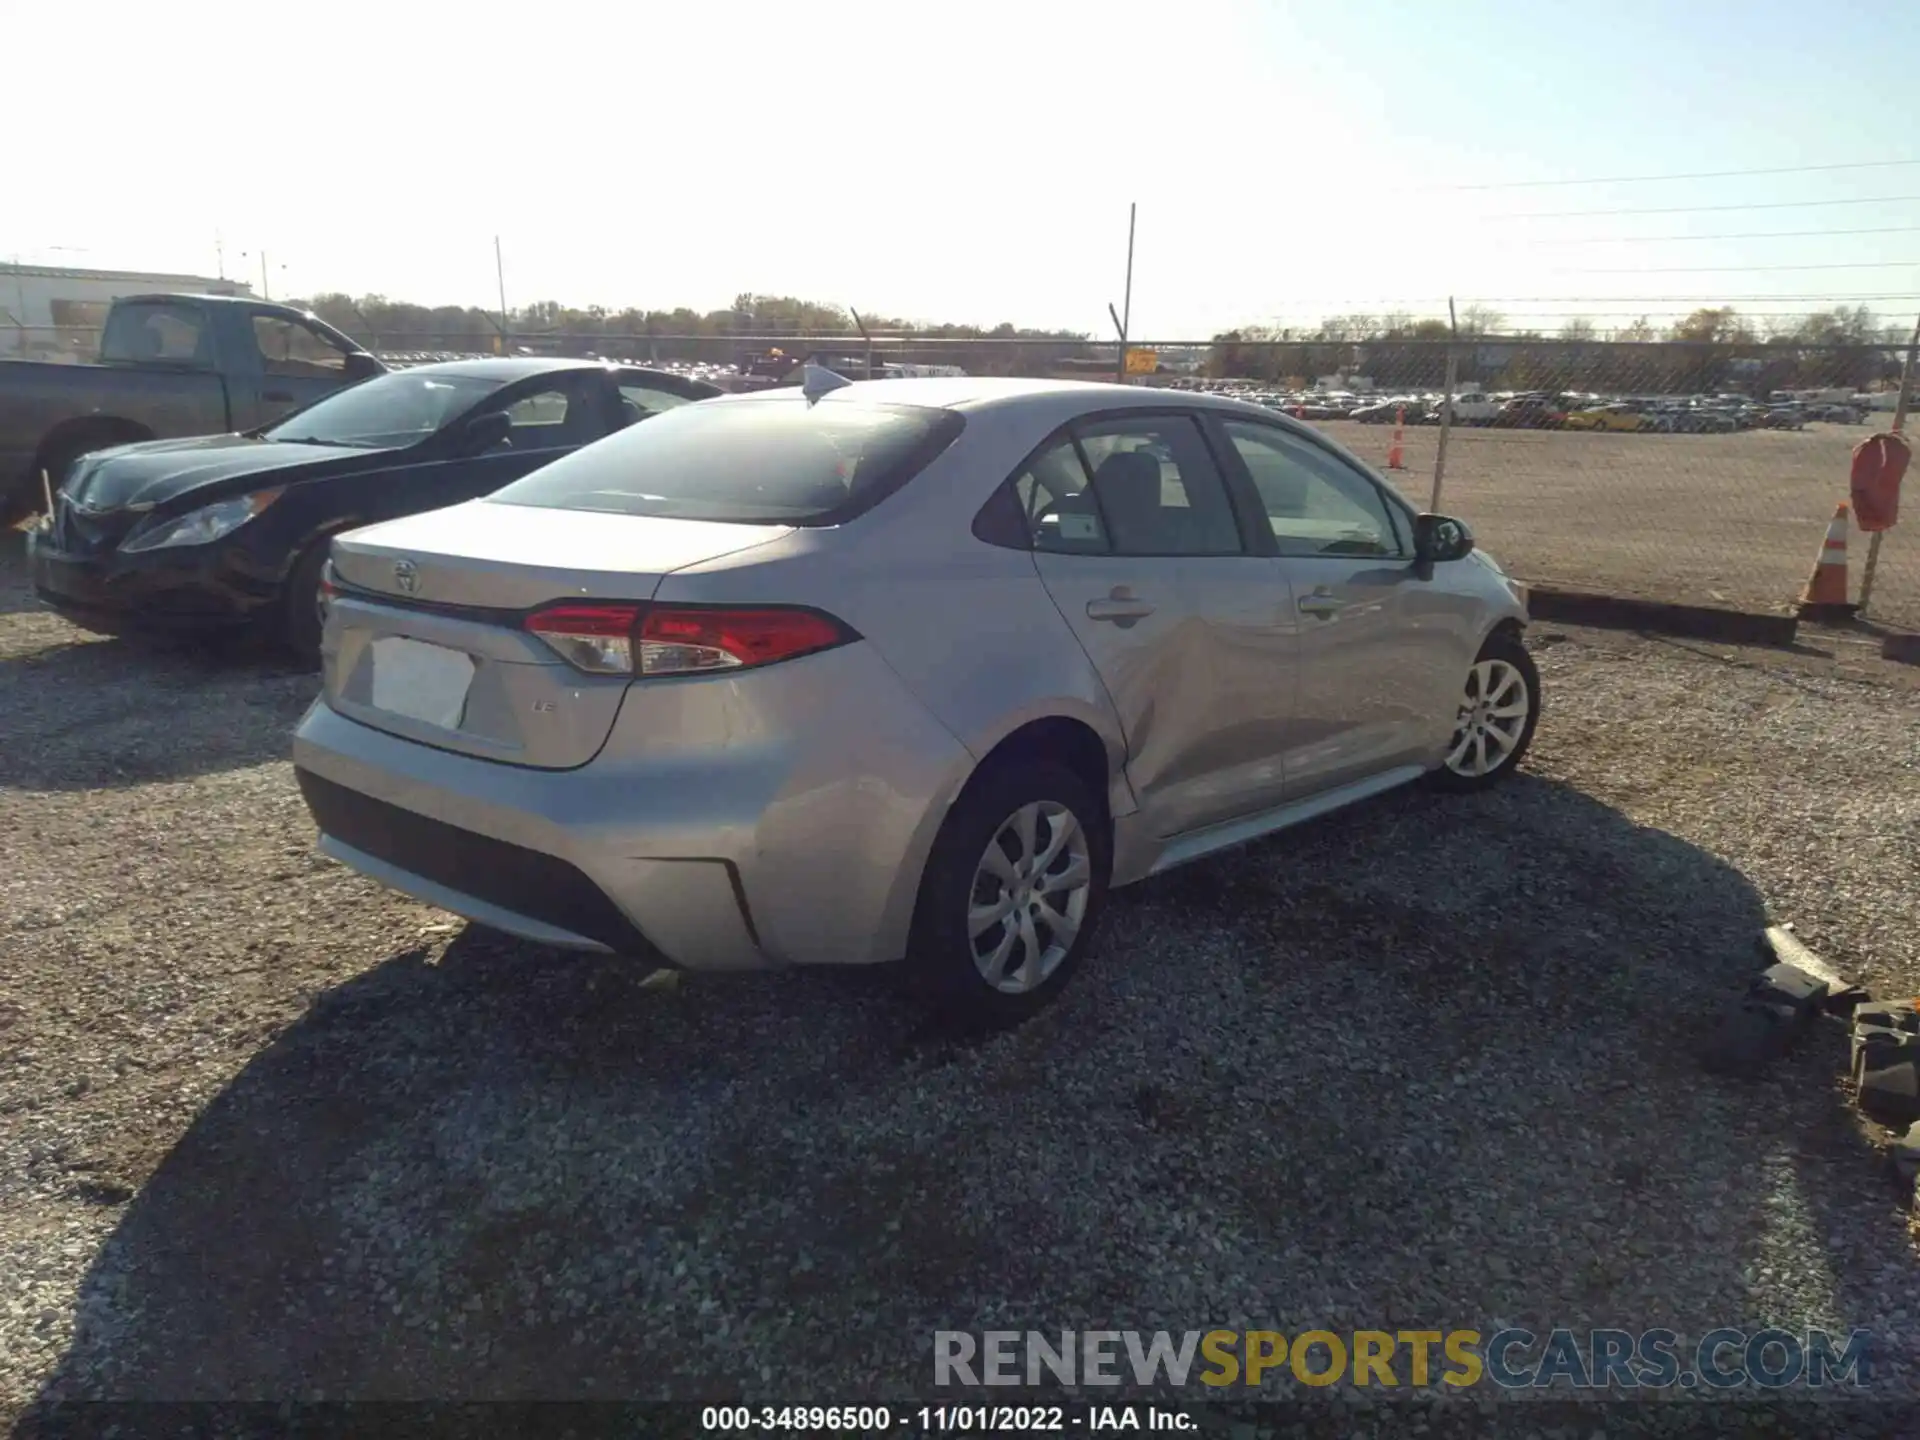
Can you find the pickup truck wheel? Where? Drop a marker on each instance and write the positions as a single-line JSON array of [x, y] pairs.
[[27, 498], [300, 613]]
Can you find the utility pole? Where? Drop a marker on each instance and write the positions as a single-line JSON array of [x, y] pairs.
[[1125, 318], [500, 277], [1446, 412], [266, 292]]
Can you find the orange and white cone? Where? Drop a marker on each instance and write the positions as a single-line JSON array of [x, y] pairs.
[[1825, 597], [1396, 455]]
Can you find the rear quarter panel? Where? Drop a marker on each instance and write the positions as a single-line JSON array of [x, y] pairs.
[[969, 627]]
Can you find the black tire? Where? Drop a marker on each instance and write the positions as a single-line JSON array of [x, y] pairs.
[[300, 604], [27, 499], [942, 957], [1503, 647]]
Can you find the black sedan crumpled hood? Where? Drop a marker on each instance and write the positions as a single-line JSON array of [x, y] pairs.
[[152, 472]]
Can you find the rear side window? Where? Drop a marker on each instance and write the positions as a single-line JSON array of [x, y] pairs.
[[776, 461], [156, 330]]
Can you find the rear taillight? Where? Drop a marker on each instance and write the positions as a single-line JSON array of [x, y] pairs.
[[648, 640]]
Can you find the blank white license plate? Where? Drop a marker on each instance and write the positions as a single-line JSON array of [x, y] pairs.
[[421, 681]]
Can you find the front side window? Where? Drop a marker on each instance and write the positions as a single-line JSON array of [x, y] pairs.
[[289, 348], [775, 460], [156, 331], [1315, 502]]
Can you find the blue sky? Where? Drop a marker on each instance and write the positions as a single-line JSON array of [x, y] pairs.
[[976, 162]]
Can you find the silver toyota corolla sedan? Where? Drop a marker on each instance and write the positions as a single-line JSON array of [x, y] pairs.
[[903, 669]]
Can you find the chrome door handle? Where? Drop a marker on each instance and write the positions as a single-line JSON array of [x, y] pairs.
[[1122, 604], [1321, 603]]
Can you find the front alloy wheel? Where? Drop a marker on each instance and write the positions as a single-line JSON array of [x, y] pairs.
[[1030, 893], [1491, 720], [1493, 725]]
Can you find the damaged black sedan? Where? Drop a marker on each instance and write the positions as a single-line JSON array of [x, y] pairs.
[[228, 534]]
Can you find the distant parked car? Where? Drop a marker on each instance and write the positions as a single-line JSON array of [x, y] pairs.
[[1315, 408], [908, 669], [1703, 420], [1474, 407], [1387, 412], [1783, 417], [1533, 412], [228, 533], [1615, 416]]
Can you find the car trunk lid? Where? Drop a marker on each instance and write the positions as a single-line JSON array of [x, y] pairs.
[[426, 636]]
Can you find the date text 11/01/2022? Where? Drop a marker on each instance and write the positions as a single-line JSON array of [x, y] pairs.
[[940, 1419]]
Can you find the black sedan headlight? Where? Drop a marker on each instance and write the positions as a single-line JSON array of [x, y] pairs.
[[202, 526]]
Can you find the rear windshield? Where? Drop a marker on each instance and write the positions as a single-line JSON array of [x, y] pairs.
[[773, 461]]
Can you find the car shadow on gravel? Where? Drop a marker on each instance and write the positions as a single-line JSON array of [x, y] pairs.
[[1421, 1065], [16, 588], [95, 714]]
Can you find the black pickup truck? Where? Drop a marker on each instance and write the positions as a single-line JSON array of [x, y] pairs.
[[169, 366]]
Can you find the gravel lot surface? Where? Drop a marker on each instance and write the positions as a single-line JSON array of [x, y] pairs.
[[267, 1131], [1733, 520]]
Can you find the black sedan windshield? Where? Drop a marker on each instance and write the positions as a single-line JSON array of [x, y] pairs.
[[386, 412]]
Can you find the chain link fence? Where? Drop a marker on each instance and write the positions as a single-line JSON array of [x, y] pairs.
[[1692, 473], [1700, 473]]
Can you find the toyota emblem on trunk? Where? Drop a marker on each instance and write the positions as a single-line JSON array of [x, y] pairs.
[[406, 575]]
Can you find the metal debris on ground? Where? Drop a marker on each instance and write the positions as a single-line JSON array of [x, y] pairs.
[[1776, 1010], [1843, 995], [1886, 1061]]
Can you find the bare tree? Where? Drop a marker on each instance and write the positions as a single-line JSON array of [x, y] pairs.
[[1479, 319]]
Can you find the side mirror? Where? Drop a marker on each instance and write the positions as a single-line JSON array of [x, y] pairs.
[[1438, 538], [483, 432], [362, 366]]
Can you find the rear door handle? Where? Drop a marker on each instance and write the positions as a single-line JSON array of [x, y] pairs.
[[1322, 603], [1121, 605], [281, 397]]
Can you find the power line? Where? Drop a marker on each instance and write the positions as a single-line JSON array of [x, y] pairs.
[[1700, 209], [1743, 269], [1744, 235], [1314, 319], [1693, 175], [1440, 301]]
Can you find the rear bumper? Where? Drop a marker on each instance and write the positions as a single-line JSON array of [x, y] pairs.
[[187, 590], [752, 855]]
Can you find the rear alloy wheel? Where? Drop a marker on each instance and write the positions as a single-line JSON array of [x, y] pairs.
[[1499, 707], [1030, 894], [1011, 894]]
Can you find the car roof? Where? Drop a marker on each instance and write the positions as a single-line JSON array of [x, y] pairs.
[[512, 367], [1015, 398]]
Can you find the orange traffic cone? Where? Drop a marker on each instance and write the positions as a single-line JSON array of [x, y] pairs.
[[1825, 597], [1396, 457]]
